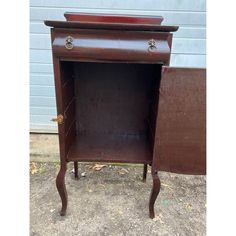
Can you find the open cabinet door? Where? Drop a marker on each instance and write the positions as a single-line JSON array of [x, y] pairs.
[[181, 122]]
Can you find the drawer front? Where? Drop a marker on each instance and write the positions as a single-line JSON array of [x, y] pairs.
[[112, 45]]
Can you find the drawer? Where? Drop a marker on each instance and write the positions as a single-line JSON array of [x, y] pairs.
[[115, 45]]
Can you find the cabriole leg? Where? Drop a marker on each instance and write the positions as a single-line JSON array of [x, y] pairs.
[[61, 188], [154, 193]]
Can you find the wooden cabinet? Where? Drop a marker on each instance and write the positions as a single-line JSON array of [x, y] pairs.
[[118, 101]]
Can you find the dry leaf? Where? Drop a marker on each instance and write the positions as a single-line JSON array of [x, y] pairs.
[[158, 218], [33, 168], [97, 167], [166, 185], [188, 206], [102, 185], [123, 171]]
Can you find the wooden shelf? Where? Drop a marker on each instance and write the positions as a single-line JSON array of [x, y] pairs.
[[110, 148]]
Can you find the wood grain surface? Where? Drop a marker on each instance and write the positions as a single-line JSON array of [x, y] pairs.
[[181, 123]]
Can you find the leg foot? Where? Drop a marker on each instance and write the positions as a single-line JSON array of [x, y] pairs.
[[144, 172], [154, 193], [76, 169], [61, 188]]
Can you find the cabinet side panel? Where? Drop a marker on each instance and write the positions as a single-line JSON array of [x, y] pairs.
[[181, 124], [64, 87], [68, 102]]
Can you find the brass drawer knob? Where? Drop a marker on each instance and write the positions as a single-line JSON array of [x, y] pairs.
[[152, 45], [69, 43], [59, 119]]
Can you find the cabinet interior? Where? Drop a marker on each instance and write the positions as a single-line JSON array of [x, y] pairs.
[[110, 110]]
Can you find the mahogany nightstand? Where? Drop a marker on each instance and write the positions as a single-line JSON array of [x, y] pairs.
[[118, 101]]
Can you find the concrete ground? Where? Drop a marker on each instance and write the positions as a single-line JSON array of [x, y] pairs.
[[112, 200]]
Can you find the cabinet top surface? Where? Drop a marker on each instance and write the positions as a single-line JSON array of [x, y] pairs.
[[111, 21]]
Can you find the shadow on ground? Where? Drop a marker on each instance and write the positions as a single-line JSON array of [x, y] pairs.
[[114, 201]]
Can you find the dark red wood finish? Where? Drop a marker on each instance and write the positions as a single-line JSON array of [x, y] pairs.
[[181, 127], [108, 18], [113, 45], [110, 26], [107, 88]]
